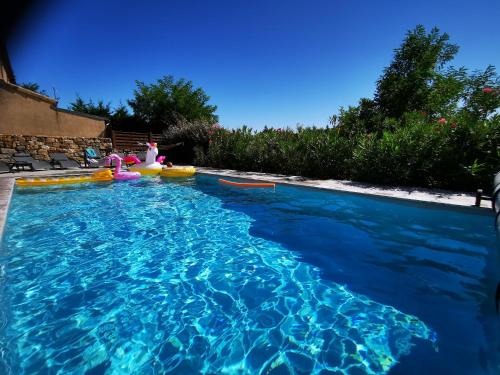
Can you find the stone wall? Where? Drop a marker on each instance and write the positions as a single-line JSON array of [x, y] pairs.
[[39, 146]]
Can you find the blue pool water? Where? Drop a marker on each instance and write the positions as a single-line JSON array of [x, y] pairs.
[[151, 276]]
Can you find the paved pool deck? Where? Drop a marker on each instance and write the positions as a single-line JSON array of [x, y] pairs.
[[458, 199]]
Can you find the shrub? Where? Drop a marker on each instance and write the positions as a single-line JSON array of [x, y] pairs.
[[182, 130], [193, 135], [309, 152], [454, 153]]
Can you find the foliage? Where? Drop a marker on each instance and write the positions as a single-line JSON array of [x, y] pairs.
[[444, 95], [430, 155], [455, 154], [97, 109], [406, 83], [191, 132], [119, 117], [33, 87], [155, 107], [418, 80], [193, 137], [314, 152], [158, 104], [481, 93], [121, 112], [364, 118]]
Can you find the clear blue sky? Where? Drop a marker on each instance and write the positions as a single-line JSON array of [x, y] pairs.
[[275, 63]]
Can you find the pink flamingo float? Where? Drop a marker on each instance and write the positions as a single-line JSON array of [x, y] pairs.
[[119, 174]]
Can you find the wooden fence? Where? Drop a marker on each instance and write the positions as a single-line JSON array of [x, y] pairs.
[[128, 141]]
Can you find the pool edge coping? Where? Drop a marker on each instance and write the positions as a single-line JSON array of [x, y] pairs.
[[6, 190], [418, 195]]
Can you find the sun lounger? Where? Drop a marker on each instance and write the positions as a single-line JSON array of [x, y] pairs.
[[60, 159], [4, 167], [22, 160], [92, 158]]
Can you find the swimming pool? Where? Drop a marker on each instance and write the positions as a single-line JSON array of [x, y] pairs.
[[189, 276]]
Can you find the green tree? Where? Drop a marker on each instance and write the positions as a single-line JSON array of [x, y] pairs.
[[406, 83], [122, 120], [363, 118], [121, 112], [33, 87], [160, 104], [445, 93], [119, 117], [481, 94], [97, 109]]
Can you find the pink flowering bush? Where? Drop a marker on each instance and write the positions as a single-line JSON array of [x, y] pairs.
[[462, 155], [423, 154]]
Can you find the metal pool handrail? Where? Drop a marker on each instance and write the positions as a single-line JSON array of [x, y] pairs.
[[495, 204], [495, 201]]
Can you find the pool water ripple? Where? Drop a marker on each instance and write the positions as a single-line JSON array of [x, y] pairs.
[[150, 277]]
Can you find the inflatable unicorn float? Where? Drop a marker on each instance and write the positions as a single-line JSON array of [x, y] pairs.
[[151, 166]]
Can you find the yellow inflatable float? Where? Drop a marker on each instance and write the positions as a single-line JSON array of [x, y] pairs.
[[177, 171], [100, 176], [146, 170]]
